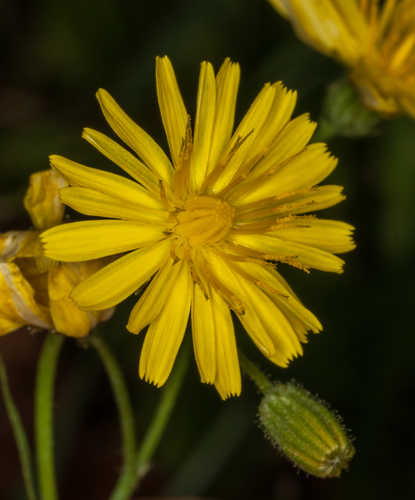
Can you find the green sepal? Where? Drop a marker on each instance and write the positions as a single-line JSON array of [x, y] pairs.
[[344, 113]]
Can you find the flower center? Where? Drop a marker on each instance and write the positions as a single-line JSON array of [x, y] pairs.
[[204, 220]]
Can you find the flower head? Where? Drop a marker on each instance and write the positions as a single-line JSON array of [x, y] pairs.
[[34, 290], [206, 226], [376, 40]]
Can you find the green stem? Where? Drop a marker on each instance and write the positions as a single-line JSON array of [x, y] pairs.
[[44, 415], [127, 479], [256, 375], [19, 434], [162, 415]]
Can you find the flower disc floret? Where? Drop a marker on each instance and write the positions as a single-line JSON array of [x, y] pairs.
[[204, 220]]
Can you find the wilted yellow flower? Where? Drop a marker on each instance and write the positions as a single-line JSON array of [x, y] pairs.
[[206, 225], [35, 291], [18, 304], [375, 39]]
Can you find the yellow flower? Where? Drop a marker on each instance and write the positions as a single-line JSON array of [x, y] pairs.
[[376, 42], [205, 225], [34, 290]]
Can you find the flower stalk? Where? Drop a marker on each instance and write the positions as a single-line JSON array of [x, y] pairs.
[[45, 379], [19, 434], [162, 415], [127, 478], [255, 374]]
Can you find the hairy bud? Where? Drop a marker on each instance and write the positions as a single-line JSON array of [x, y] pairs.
[[305, 430]]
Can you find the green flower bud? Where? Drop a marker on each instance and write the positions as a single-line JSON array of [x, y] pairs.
[[305, 430], [344, 113]]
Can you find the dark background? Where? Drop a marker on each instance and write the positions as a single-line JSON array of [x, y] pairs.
[[54, 55]]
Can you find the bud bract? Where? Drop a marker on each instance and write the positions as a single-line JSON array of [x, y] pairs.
[[345, 114], [305, 430]]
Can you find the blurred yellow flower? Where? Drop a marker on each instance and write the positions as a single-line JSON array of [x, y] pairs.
[[35, 291], [375, 39], [206, 226]]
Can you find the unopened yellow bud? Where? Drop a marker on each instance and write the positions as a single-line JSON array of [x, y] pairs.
[[42, 199], [305, 430]]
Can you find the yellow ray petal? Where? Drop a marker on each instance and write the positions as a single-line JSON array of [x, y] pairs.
[[231, 281], [153, 300], [353, 18], [116, 281], [111, 184], [388, 10], [317, 198], [263, 314], [228, 374], [172, 109], [329, 235], [165, 334], [205, 117], [279, 115], [291, 141], [243, 138], [281, 355], [300, 202], [301, 172], [277, 289], [134, 136], [203, 333], [274, 337], [123, 158], [318, 23], [91, 202], [86, 240], [227, 83], [280, 6], [294, 253]]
